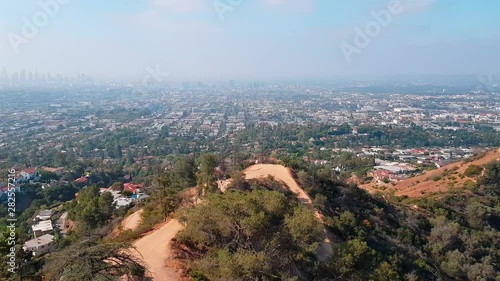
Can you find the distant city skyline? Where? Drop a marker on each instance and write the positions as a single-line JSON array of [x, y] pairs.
[[248, 40], [36, 75]]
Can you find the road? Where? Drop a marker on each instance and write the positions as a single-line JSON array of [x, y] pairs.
[[61, 223]]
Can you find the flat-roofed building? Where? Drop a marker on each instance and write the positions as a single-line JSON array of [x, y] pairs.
[[40, 245], [44, 215], [42, 228]]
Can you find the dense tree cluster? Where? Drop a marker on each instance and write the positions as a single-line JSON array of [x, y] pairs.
[[452, 236], [206, 178], [255, 235], [91, 210]]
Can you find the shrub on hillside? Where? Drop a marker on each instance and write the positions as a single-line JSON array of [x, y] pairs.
[[473, 171]]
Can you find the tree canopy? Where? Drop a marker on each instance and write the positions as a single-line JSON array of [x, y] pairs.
[[91, 261], [92, 209], [256, 235]]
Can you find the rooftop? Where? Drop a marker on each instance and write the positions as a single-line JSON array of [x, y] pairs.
[[45, 213], [42, 240], [43, 226]]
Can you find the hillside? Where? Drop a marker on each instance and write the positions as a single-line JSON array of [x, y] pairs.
[[435, 181], [258, 230], [268, 223], [282, 173], [155, 248]]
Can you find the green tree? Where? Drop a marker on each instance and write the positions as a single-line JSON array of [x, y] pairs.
[[46, 176], [165, 197], [184, 172], [482, 271], [346, 224], [59, 193], [118, 186], [475, 213], [473, 170], [491, 179], [444, 237], [257, 235], [206, 178], [320, 201], [304, 228], [106, 206], [352, 259], [90, 261], [385, 272], [92, 209], [454, 265]]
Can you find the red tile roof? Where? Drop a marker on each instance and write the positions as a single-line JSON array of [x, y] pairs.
[[132, 187], [81, 180], [28, 170]]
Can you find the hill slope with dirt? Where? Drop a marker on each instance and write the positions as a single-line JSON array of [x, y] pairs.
[[436, 181]]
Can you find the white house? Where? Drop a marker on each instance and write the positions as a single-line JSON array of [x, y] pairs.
[[42, 228], [40, 245], [44, 215]]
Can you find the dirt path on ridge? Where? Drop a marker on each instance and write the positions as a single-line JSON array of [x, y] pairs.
[[283, 174], [154, 249], [132, 221]]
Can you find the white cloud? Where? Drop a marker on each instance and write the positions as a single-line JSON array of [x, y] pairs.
[[301, 6], [416, 6], [181, 5]]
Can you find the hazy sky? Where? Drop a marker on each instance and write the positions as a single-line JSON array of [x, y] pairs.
[[251, 39]]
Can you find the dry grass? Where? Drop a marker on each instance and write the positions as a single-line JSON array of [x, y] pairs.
[[436, 181]]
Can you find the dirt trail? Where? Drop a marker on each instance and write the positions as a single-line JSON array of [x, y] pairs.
[[281, 173], [155, 251], [154, 248], [132, 221]]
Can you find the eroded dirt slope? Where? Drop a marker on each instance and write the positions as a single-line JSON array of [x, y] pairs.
[[435, 181]]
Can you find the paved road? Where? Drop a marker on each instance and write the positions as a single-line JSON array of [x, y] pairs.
[[61, 221]]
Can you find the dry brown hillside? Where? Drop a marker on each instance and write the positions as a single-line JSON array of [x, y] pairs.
[[439, 180]]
